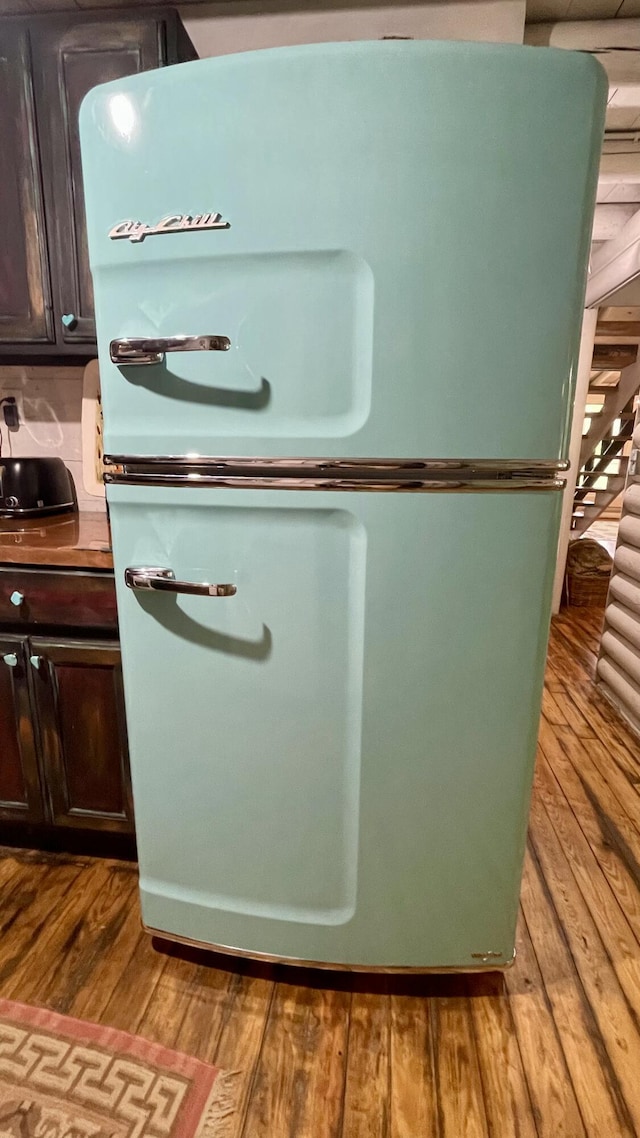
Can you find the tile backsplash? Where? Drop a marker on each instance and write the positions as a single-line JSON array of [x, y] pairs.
[[49, 401]]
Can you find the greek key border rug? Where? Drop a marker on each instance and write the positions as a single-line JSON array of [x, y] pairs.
[[64, 1078]]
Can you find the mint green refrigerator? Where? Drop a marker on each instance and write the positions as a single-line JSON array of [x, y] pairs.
[[338, 296]]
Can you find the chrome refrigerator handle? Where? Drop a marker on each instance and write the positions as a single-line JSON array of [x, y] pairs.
[[138, 352], [164, 581]]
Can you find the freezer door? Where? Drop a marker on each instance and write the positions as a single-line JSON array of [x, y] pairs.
[[333, 762], [392, 237]]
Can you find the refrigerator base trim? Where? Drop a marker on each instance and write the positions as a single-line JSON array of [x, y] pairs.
[[383, 969]]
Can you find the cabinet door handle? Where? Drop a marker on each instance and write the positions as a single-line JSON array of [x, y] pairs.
[[10, 659], [164, 581], [140, 352], [35, 662]]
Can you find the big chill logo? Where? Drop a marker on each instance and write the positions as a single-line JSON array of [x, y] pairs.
[[174, 223]]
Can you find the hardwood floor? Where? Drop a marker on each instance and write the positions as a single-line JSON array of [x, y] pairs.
[[552, 1049]]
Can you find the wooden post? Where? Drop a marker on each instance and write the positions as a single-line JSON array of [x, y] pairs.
[[585, 357]]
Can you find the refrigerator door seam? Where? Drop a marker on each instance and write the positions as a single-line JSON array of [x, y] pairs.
[[192, 478], [361, 465], [337, 474]]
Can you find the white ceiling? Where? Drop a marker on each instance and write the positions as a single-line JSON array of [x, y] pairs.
[[581, 9], [623, 107], [537, 10]]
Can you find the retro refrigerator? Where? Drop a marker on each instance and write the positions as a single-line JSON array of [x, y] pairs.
[[338, 294]]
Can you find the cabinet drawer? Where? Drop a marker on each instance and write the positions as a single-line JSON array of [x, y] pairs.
[[57, 598]]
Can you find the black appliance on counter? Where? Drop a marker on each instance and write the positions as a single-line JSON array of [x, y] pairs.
[[35, 487]]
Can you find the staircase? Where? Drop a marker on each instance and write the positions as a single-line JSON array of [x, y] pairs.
[[606, 443]]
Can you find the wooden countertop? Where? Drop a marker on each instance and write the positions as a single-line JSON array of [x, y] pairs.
[[78, 541]]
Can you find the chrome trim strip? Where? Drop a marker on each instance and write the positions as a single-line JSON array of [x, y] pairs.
[[267, 958], [406, 485], [240, 463]]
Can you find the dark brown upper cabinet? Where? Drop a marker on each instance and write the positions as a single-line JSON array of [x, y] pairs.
[[47, 66], [25, 298]]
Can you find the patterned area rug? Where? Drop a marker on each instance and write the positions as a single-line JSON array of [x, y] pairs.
[[63, 1078]]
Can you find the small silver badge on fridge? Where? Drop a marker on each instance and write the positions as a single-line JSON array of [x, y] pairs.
[[173, 223]]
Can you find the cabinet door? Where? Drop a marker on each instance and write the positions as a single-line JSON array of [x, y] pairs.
[[25, 310], [80, 708], [20, 795], [69, 59]]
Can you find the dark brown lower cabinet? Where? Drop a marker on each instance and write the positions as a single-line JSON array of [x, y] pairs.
[[79, 701], [63, 739], [21, 796]]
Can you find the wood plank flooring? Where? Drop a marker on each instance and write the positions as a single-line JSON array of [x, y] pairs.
[[550, 1050]]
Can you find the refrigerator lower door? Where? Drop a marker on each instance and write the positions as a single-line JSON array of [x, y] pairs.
[[333, 763]]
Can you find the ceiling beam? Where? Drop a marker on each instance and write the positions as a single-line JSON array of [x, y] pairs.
[[585, 35]]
